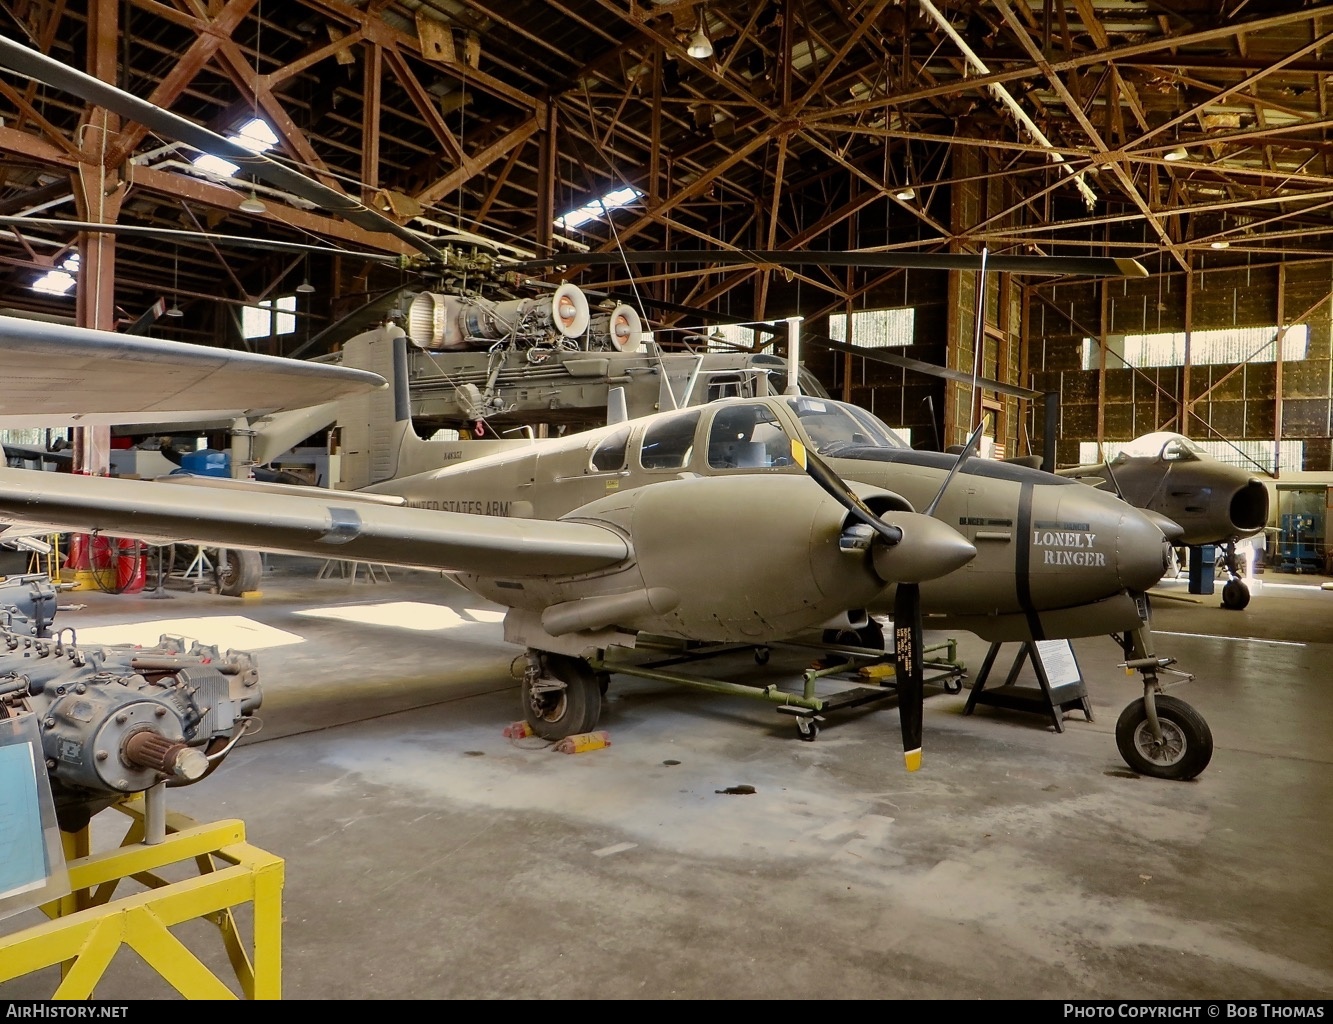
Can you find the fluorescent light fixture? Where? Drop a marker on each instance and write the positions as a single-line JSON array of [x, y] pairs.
[[1175, 154], [906, 194], [1220, 244]]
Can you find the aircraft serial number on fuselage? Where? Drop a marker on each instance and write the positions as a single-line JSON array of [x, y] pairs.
[[475, 508]]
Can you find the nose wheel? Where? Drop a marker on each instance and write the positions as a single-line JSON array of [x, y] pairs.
[[1184, 748]]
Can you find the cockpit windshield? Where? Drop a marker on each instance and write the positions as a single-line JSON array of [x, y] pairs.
[[834, 425], [1164, 444]]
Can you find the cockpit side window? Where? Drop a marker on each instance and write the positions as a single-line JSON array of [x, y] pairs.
[[747, 437], [668, 443], [610, 454]]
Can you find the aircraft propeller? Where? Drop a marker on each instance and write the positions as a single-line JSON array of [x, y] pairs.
[[935, 550]]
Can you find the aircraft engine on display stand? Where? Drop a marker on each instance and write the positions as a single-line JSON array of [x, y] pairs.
[[118, 720]]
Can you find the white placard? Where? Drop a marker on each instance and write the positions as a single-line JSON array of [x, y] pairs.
[[1057, 658]]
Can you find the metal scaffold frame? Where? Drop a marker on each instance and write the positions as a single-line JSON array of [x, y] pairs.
[[88, 927]]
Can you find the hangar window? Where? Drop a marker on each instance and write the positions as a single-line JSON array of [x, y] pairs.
[[747, 437], [667, 444], [875, 328], [599, 207], [1223, 345], [610, 454], [258, 321]]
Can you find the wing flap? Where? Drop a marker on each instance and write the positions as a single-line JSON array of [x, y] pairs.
[[319, 526]]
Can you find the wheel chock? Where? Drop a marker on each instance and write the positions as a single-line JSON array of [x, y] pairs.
[[582, 741]]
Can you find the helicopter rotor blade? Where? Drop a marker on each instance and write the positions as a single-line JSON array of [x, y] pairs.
[[41, 68], [1096, 266], [145, 231]]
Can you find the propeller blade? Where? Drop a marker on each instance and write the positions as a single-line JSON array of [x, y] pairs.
[[834, 485], [44, 69], [907, 654], [963, 456], [1094, 266]]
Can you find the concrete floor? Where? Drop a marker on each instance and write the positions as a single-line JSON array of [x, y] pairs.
[[429, 857]]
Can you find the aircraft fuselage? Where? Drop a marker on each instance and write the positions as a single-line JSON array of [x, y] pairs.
[[1053, 558]]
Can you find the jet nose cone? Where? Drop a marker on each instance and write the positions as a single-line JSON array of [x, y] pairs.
[[1142, 550], [928, 550]]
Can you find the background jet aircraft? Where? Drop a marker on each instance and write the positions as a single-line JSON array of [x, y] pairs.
[[1213, 503]]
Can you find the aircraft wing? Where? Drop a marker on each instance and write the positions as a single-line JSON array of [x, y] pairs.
[[320, 526], [1093, 476], [55, 375]]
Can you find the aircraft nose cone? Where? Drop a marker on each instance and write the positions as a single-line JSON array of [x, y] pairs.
[[1142, 550], [928, 550]]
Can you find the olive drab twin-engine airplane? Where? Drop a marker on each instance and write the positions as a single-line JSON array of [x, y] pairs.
[[744, 521], [748, 521], [1212, 503]]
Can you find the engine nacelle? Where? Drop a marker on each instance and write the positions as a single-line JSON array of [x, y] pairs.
[[119, 720], [758, 559]]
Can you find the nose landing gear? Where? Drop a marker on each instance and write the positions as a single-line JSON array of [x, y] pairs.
[[1160, 736]]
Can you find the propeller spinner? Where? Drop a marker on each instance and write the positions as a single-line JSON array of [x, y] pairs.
[[909, 551]]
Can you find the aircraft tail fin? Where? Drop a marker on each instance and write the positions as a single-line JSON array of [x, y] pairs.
[[375, 439]]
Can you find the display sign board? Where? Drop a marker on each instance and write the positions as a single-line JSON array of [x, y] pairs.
[[32, 859]]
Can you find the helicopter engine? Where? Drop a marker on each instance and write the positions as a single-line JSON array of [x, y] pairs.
[[436, 320], [119, 720], [619, 328]]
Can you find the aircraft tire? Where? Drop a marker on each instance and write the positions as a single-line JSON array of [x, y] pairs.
[[1235, 595], [556, 714], [242, 574], [1188, 746]]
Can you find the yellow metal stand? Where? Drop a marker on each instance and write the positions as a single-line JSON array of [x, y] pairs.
[[88, 927]]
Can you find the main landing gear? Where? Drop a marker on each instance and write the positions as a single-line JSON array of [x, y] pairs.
[[1160, 736], [1235, 594], [561, 694]]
